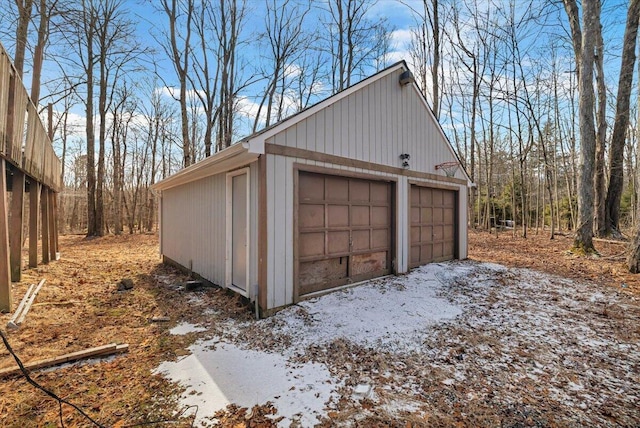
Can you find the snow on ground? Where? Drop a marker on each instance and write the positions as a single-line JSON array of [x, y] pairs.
[[450, 343], [186, 328], [219, 374]]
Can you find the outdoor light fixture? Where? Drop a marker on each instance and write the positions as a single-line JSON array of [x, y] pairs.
[[406, 78], [405, 160]]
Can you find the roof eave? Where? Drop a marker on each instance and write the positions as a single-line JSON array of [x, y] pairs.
[[232, 157]]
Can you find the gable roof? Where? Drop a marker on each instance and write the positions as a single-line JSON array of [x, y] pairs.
[[254, 145]]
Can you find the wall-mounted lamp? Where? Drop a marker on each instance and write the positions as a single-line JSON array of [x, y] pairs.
[[405, 160], [406, 78]]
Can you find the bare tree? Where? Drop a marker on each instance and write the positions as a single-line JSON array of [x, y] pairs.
[[621, 124], [228, 22], [584, 49], [180, 14], [426, 50], [352, 39], [284, 24]]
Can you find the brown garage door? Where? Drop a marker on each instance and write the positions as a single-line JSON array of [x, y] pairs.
[[433, 225], [344, 230]]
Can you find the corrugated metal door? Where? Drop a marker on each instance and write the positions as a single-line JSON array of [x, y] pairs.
[[344, 230], [433, 225]]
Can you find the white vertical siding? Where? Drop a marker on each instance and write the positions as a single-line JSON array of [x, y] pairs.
[[193, 226], [375, 124], [402, 225], [463, 217]]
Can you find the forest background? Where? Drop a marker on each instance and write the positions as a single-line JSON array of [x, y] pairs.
[[169, 82]]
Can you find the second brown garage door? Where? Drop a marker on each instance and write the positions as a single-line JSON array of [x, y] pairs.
[[344, 230], [433, 225]]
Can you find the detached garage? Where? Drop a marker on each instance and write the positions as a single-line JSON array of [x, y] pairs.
[[361, 185]]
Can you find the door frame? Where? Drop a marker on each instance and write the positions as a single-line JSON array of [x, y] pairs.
[[229, 231]]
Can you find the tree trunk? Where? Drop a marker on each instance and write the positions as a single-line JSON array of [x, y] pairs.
[[601, 135], [583, 240], [89, 23], [22, 29], [633, 259], [621, 124]]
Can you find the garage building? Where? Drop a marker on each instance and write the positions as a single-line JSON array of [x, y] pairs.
[[361, 185]]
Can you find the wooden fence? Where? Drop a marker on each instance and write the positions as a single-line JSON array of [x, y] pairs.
[[28, 163]]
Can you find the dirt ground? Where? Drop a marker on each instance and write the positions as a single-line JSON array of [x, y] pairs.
[[541, 253], [79, 307]]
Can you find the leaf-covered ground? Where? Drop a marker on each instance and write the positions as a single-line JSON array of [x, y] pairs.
[[556, 345]]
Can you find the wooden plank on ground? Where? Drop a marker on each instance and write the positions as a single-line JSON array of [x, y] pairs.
[[99, 351], [5, 274], [23, 315], [14, 318]]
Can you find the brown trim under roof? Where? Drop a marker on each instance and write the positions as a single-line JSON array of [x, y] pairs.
[[295, 152], [342, 172]]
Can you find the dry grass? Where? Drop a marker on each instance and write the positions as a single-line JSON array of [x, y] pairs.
[[553, 256], [78, 308]]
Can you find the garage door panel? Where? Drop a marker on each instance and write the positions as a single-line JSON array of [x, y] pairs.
[[449, 233], [361, 240], [449, 216], [426, 252], [380, 238], [426, 197], [426, 215], [448, 249], [433, 225], [438, 233], [415, 215], [311, 216], [415, 193], [437, 251], [438, 215], [426, 234], [379, 192], [449, 199], [311, 244], [360, 215], [415, 254], [359, 191], [338, 242], [337, 188], [368, 263], [415, 234], [311, 187], [330, 270], [338, 216], [379, 216]]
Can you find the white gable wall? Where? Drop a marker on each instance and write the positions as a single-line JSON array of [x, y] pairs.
[[375, 124]]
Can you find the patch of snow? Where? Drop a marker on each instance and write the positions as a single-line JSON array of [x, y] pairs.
[[390, 314], [185, 328], [228, 374]]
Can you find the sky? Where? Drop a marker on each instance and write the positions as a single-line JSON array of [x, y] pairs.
[[398, 14]]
